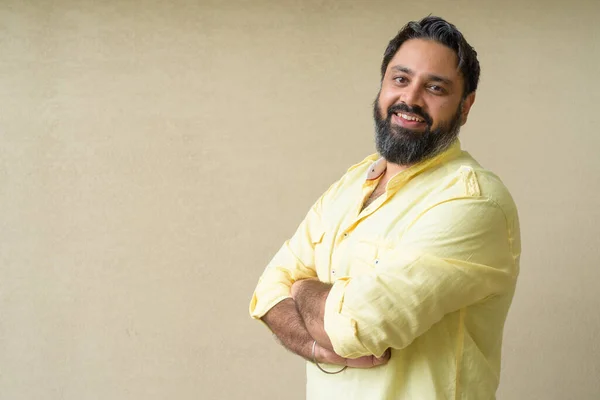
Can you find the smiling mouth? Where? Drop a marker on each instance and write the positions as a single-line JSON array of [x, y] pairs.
[[409, 117]]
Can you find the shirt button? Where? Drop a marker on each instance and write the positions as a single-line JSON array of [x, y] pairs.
[[346, 234], [376, 261], [333, 272]]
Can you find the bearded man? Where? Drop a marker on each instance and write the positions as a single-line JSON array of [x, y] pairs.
[[398, 282]]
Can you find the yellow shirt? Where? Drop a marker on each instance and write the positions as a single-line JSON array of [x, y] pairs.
[[428, 269]]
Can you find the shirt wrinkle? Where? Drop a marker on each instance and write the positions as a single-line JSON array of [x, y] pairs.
[[416, 271]]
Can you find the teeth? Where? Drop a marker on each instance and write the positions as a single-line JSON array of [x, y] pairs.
[[411, 118]]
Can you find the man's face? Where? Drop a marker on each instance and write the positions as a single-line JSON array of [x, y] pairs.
[[420, 107]]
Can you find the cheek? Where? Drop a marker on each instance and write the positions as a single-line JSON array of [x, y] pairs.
[[442, 112], [386, 99]]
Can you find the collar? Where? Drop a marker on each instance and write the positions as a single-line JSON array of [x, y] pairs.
[[378, 167]]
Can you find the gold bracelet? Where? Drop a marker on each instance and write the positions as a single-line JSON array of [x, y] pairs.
[[317, 364]]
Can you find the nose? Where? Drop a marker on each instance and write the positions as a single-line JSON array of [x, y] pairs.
[[413, 96]]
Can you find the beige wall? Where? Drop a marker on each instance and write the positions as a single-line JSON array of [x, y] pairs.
[[153, 157]]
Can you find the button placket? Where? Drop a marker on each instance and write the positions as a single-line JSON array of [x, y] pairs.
[[341, 238]]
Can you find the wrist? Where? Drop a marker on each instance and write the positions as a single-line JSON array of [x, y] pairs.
[[322, 355], [318, 353]]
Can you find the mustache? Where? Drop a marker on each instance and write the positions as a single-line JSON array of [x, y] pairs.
[[416, 110]]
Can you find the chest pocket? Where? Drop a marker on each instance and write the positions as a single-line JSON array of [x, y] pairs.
[[366, 255]]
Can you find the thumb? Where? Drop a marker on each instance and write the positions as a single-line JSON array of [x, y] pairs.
[[384, 357]]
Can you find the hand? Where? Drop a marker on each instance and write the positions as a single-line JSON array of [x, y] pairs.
[[327, 356]]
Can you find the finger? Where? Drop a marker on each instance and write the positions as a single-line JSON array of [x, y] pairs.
[[385, 357], [327, 356], [361, 362]]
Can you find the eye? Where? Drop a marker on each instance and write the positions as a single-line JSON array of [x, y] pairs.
[[400, 80], [437, 89]]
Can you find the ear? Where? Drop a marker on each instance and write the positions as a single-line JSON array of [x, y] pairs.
[[467, 103]]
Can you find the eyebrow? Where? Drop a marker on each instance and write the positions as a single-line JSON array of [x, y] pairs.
[[431, 77]]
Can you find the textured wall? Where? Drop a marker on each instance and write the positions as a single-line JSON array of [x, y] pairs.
[[154, 156]]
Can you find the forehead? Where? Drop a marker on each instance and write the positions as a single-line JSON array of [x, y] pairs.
[[427, 57]]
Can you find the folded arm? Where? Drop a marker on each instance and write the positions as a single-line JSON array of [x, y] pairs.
[[455, 255], [272, 300], [310, 296], [287, 325]]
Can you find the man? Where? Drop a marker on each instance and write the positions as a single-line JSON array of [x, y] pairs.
[[397, 283]]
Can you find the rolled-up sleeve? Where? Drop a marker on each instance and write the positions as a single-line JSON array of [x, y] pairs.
[[453, 255], [294, 261]]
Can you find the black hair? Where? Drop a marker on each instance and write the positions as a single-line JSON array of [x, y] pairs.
[[439, 30]]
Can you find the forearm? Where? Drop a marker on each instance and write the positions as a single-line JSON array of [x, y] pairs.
[[287, 325], [310, 296]]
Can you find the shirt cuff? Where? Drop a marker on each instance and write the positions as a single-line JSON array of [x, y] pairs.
[[264, 299], [341, 329]]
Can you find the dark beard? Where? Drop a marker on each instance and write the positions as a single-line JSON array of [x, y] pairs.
[[403, 146]]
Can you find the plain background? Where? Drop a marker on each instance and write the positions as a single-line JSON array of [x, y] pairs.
[[155, 155]]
